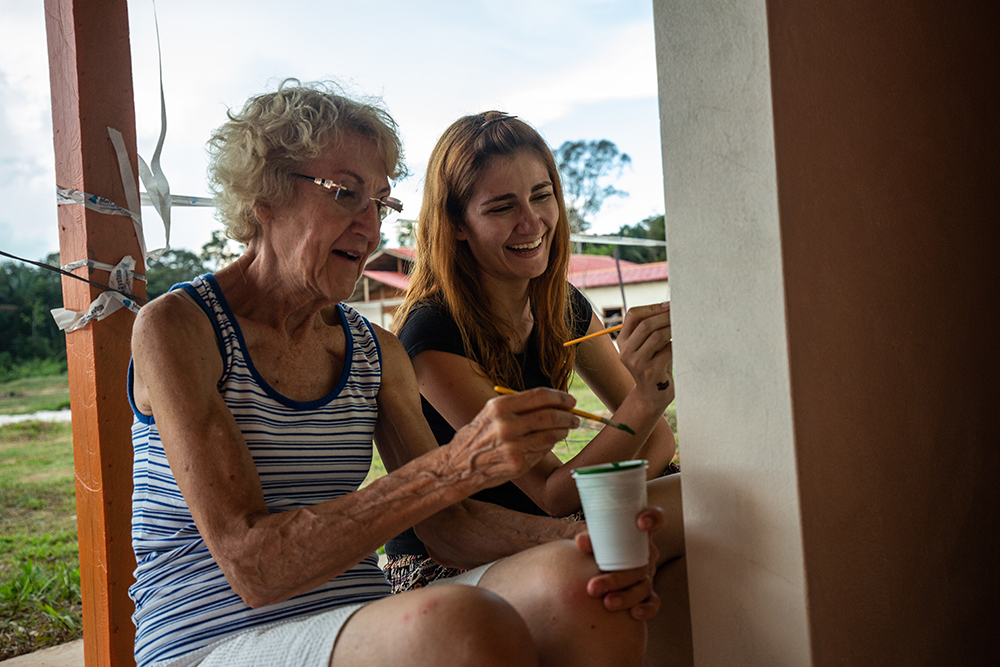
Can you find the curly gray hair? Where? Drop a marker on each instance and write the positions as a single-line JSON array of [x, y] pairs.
[[253, 154]]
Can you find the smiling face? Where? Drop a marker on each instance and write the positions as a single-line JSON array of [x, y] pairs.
[[319, 245], [511, 218]]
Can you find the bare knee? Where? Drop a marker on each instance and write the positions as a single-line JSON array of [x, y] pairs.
[[440, 625], [548, 587]]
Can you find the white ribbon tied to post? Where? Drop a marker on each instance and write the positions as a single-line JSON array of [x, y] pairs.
[[105, 304]]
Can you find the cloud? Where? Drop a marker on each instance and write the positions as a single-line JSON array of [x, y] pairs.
[[621, 68], [551, 62]]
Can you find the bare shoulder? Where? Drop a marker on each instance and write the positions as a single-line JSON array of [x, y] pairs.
[[172, 338], [393, 353], [170, 315]]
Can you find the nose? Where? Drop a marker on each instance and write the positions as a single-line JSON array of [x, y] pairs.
[[368, 223], [529, 221]]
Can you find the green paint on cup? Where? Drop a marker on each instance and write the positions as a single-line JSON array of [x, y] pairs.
[[614, 466]]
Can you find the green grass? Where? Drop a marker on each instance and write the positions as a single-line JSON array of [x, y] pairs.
[[39, 562], [34, 394]]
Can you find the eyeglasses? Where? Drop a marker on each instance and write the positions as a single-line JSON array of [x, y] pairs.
[[350, 194]]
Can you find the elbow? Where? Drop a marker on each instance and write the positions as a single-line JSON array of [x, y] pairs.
[[562, 506], [250, 589], [255, 593], [249, 580], [255, 601], [437, 534]]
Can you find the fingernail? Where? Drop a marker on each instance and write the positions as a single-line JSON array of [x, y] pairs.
[[665, 305]]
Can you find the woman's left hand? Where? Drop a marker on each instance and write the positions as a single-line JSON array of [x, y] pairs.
[[629, 589], [645, 349]]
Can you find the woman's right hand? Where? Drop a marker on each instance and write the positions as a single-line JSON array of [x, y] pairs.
[[510, 435]]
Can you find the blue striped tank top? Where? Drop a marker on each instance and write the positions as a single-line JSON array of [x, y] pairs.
[[305, 453]]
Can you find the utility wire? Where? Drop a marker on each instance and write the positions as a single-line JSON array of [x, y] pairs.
[[73, 275]]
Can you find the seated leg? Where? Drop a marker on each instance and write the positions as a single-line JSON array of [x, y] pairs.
[[547, 586], [669, 632], [440, 625], [665, 492]]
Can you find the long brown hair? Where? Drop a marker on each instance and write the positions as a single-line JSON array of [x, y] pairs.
[[446, 270]]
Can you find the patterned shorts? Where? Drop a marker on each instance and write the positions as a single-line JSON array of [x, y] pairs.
[[406, 572]]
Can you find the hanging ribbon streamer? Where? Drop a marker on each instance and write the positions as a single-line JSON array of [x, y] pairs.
[[105, 304], [157, 187]]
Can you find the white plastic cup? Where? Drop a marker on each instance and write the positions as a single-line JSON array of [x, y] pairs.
[[613, 495]]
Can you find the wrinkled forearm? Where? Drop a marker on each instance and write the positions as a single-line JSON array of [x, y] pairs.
[[471, 533], [275, 556]]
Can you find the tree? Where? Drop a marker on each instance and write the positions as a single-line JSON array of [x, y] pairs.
[[27, 294], [650, 228], [219, 252], [406, 233], [175, 266], [587, 169]]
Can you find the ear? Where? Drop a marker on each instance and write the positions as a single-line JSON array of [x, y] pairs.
[[263, 212], [460, 233]]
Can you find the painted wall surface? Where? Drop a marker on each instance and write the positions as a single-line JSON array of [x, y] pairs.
[[741, 506], [831, 207]]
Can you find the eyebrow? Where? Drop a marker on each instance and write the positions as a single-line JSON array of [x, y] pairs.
[[511, 195]]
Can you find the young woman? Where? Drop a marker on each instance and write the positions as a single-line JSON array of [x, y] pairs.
[[489, 304]]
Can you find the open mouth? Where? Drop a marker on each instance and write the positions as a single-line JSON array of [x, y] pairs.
[[526, 247], [347, 255]]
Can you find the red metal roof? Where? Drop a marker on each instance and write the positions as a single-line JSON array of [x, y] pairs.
[[579, 263], [584, 270], [631, 273], [391, 278]]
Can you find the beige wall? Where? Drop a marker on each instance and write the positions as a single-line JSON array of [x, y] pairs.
[[832, 217]]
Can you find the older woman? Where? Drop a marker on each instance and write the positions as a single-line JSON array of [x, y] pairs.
[[257, 395], [489, 304]]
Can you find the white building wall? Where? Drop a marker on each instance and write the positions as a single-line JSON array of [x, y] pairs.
[[610, 296]]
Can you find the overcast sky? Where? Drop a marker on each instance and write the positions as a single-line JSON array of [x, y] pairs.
[[575, 69]]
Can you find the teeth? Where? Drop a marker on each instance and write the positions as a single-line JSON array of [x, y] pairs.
[[527, 246]]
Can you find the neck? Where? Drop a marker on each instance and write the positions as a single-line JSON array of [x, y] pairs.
[[510, 302], [255, 291]]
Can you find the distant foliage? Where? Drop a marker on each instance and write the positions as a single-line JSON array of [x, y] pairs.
[[176, 266], [29, 334], [650, 228], [219, 252], [30, 342], [406, 233]]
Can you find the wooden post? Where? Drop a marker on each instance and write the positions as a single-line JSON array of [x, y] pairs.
[[91, 79]]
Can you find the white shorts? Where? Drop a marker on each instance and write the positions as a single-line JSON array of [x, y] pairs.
[[302, 642]]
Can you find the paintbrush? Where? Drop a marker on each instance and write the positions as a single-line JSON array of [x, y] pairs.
[[592, 335], [580, 413]]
